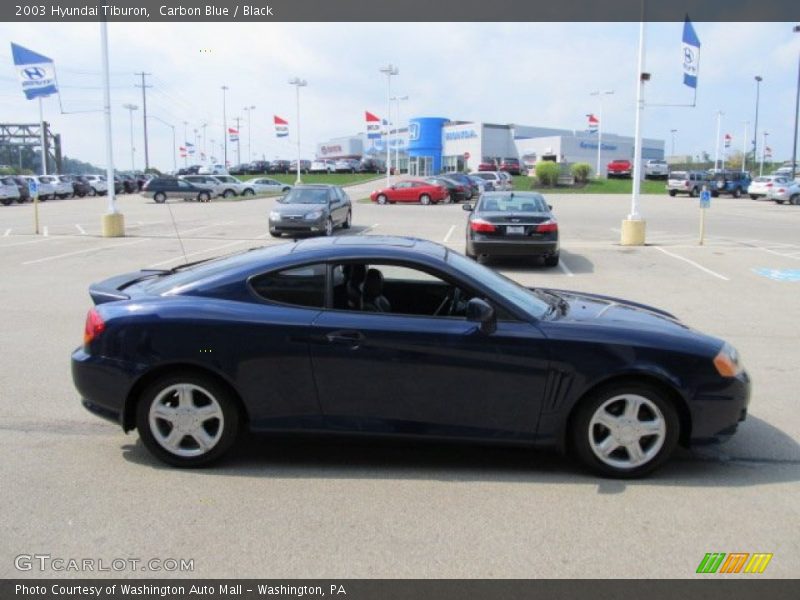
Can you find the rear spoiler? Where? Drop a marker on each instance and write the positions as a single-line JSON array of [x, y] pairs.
[[110, 290]]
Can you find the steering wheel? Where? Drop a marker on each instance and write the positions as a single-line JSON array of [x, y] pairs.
[[450, 303]]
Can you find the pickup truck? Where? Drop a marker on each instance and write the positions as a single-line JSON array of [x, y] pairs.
[[619, 168], [656, 169]]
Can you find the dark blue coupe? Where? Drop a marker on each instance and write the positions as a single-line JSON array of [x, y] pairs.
[[397, 336]]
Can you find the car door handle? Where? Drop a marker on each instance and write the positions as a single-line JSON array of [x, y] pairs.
[[350, 338]]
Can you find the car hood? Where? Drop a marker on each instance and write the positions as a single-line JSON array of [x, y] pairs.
[[607, 309]]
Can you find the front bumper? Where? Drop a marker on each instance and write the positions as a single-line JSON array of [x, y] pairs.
[[717, 410], [298, 225]]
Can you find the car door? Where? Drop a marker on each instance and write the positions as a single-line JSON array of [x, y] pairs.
[[182, 189], [337, 207], [429, 375]]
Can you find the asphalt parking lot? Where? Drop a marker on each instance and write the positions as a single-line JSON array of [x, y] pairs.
[[75, 486]]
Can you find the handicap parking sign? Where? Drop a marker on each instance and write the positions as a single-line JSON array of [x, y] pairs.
[[705, 199], [33, 187]]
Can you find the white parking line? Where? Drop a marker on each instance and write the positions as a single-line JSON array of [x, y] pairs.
[[449, 233], [26, 243], [84, 251], [80, 229], [368, 229], [691, 262], [565, 268]]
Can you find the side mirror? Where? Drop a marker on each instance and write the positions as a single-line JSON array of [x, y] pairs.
[[392, 187], [467, 207], [550, 206], [479, 311]]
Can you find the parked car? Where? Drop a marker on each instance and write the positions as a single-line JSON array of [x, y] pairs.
[[687, 182], [322, 166], [619, 168], [411, 191], [258, 167], [80, 186], [230, 186], [512, 224], [22, 186], [212, 170], [241, 169], [484, 185], [9, 191], [511, 166], [487, 164], [265, 185], [98, 186], [397, 336], [119, 185], [734, 183], [762, 186], [305, 166], [63, 186], [455, 190], [279, 166], [207, 182], [499, 183], [346, 165], [311, 209], [472, 187], [372, 165], [162, 188], [509, 182], [656, 169], [788, 192], [190, 170], [45, 183], [129, 183]]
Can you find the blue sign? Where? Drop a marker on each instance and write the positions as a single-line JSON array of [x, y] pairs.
[[593, 146], [37, 73], [33, 187], [779, 274], [705, 199], [464, 134]]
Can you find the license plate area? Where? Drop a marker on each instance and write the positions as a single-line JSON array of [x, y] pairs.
[[515, 229]]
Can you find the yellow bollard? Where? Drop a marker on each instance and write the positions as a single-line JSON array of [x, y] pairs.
[[633, 232], [113, 225]]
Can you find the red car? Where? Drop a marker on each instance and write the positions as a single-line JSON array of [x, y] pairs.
[[487, 165], [619, 168], [411, 191]]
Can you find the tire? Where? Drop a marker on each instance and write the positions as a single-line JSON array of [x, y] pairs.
[[483, 259], [275, 234], [381, 199], [348, 221], [286, 189], [44, 199], [551, 261], [447, 199], [6, 201], [694, 193], [329, 227], [737, 193], [204, 197], [779, 201], [248, 192], [172, 402], [160, 197], [425, 199], [795, 199], [21, 200], [606, 452], [92, 191], [228, 193], [753, 196], [673, 193]]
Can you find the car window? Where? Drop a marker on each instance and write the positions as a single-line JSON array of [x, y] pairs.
[[306, 196], [513, 203], [301, 286]]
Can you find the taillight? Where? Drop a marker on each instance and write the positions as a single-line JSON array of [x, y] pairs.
[[482, 226], [781, 191], [94, 326], [769, 185], [547, 227]]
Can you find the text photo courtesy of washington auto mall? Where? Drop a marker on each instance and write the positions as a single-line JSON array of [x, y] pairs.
[[404, 300]]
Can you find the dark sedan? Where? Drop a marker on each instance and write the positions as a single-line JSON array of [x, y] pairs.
[[397, 336], [465, 180], [311, 209], [457, 191], [512, 224]]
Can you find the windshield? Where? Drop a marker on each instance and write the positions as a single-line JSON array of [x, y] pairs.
[[519, 296], [678, 175], [306, 196], [512, 203]]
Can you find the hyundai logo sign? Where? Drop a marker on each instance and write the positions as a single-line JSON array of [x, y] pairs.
[[413, 131], [464, 134], [33, 73]]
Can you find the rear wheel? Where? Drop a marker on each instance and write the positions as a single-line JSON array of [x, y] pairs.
[[6, 201], [92, 191], [425, 199], [795, 199], [204, 197], [228, 194], [187, 420], [329, 227], [348, 220], [673, 193], [694, 193], [625, 430], [779, 201], [160, 197], [274, 233], [737, 193], [753, 196]]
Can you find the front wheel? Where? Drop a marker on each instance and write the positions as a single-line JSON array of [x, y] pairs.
[[329, 227], [778, 201], [6, 201], [425, 199], [348, 221], [92, 192], [737, 193], [694, 193], [795, 199], [753, 196], [204, 197], [187, 420], [381, 199], [248, 192], [160, 197], [228, 194], [625, 431]]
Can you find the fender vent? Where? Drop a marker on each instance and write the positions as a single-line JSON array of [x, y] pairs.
[[558, 383]]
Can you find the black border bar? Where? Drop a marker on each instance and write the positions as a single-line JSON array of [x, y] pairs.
[[403, 10]]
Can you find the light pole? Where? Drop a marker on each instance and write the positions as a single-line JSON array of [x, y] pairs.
[[298, 83], [225, 126], [131, 108], [796, 111], [186, 150], [174, 141], [716, 151], [113, 223], [249, 148], [389, 70], [600, 95], [763, 152], [744, 146], [203, 127], [397, 100], [758, 79], [673, 132]]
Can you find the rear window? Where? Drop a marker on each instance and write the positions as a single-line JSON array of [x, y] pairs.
[[513, 203], [679, 175]]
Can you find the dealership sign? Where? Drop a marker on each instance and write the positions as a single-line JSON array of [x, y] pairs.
[[330, 149], [36, 72], [593, 146], [464, 134]]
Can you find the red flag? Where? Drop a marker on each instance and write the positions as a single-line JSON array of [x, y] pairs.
[[279, 121], [371, 117]]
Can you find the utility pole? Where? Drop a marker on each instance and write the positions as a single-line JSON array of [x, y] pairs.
[[600, 95], [203, 127], [719, 130], [186, 149], [225, 126], [238, 141], [758, 79], [249, 109], [144, 87]]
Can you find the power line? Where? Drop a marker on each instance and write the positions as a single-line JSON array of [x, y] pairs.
[[144, 87]]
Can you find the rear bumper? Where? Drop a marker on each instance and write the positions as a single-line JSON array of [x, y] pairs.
[[717, 411], [521, 247], [102, 385]]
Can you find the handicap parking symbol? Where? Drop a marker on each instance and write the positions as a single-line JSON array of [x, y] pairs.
[[705, 199], [779, 274]]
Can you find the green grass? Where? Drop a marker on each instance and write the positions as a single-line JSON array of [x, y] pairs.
[[595, 186], [331, 178]]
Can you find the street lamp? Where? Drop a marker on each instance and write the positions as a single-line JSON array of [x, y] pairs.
[[397, 100], [673, 132], [131, 108], [249, 149], [758, 79], [224, 126], [174, 142], [298, 83], [796, 111], [600, 95], [763, 152], [388, 70], [716, 151]]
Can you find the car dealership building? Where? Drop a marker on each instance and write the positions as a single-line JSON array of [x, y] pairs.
[[430, 145]]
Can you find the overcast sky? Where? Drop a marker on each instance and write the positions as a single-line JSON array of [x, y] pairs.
[[527, 73]]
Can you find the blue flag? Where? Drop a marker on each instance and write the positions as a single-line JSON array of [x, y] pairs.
[[37, 73], [691, 54]]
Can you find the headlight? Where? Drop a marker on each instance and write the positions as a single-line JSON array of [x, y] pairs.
[[727, 362], [274, 215], [313, 216]]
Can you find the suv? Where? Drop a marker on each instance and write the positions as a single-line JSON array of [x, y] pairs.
[[511, 166], [734, 183], [372, 165], [656, 169], [487, 164], [619, 168], [230, 186], [97, 184], [161, 188], [305, 165], [687, 182], [322, 166], [497, 180], [258, 167], [279, 166], [207, 182], [346, 165], [9, 192]]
